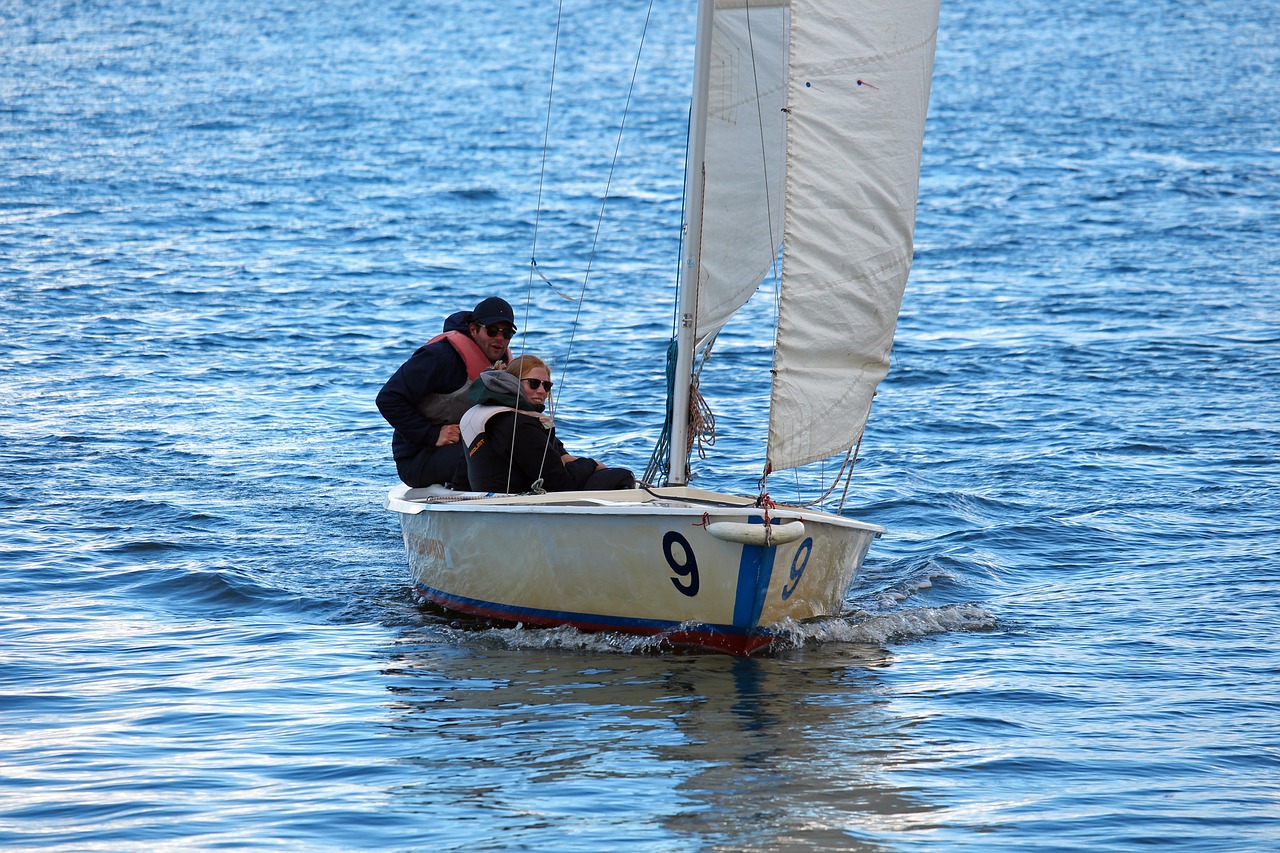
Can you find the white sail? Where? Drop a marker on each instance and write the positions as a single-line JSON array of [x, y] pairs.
[[815, 121], [744, 158], [857, 98]]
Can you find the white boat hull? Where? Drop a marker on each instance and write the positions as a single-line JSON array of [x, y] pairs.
[[687, 564]]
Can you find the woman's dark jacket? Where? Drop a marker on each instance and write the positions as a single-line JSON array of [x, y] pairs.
[[515, 449]]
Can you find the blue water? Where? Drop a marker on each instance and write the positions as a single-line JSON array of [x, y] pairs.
[[222, 226]]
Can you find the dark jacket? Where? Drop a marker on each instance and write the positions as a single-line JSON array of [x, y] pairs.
[[434, 368], [515, 450]]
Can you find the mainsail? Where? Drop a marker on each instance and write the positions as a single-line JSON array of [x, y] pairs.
[[814, 124]]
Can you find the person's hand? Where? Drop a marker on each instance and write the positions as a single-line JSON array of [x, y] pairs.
[[566, 458], [449, 434]]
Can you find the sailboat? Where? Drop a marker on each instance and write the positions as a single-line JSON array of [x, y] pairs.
[[805, 134]]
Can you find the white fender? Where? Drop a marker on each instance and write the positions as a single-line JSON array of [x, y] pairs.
[[757, 534]]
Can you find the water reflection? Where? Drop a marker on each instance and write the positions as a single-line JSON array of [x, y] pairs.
[[554, 749]]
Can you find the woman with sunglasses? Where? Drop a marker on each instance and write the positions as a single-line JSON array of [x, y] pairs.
[[511, 445]]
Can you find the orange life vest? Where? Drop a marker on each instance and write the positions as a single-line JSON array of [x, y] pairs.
[[472, 355]]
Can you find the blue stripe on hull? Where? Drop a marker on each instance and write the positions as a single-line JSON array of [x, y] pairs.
[[754, 574]]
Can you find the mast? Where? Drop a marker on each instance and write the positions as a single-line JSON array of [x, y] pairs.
[[690, 263]]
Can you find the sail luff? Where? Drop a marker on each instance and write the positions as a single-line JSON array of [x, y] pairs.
[[857, 94]]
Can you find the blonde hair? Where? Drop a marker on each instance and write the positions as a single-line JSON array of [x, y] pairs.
[[522, 364]]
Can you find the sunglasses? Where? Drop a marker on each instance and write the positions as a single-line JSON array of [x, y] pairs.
[[535, 384], [506, 332]]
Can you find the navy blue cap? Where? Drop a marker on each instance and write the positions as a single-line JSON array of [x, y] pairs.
[[493, 310]]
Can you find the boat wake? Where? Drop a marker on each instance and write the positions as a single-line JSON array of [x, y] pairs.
[[858, 627], [901, 626]]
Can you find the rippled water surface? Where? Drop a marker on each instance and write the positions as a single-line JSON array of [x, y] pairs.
[[222, 226]]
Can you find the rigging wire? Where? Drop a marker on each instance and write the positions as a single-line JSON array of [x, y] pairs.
[[537, 218], [604, 200], [701, 430], [542, 169], [533, 263], [845, 471]]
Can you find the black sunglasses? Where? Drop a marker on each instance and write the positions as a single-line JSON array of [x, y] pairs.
[[535, 384], [505, 331]]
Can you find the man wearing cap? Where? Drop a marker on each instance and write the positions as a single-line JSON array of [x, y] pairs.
[[424, 400]]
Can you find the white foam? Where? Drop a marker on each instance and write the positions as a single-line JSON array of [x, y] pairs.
[[861, 628], [899, 626]]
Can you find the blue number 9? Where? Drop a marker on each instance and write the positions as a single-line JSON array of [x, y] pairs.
[[798, 564], [687, 568]]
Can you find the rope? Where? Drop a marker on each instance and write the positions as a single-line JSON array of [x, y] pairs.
[[844, 473], [660, 460], [702, 421], [533, 265], [688, 500]]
